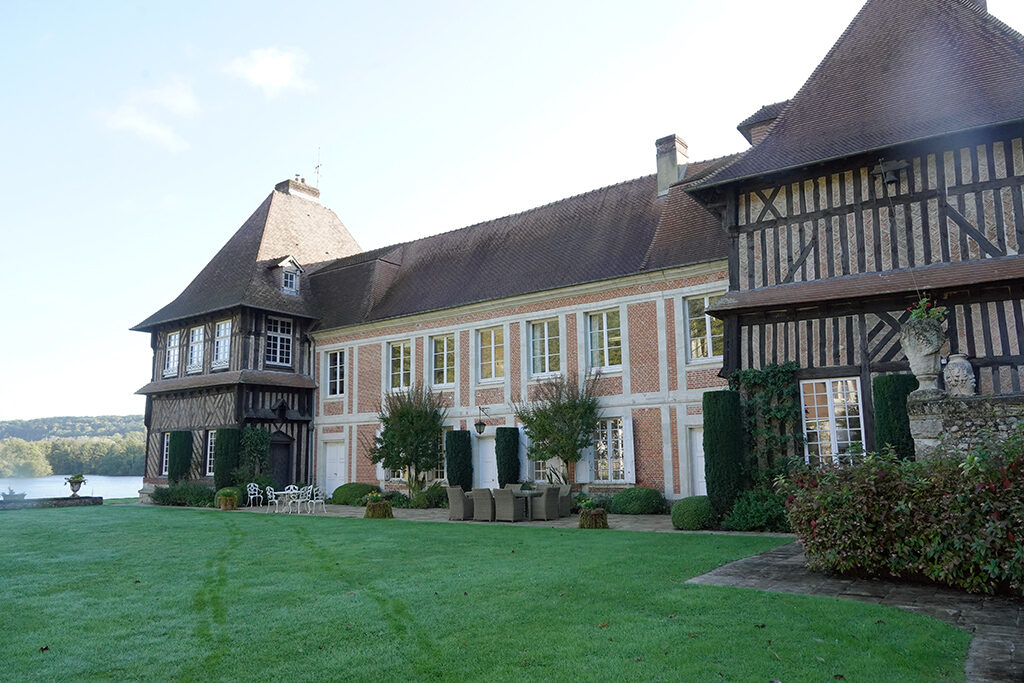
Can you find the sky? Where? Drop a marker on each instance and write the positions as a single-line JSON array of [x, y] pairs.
[[138, 137]]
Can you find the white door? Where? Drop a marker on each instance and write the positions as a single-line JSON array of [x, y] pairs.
[[335, 461], [485, 464], [700, 487]]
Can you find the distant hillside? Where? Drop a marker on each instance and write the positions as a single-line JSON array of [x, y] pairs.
[[71, 427]]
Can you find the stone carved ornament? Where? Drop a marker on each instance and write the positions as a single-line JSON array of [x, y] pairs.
[[959, 376]]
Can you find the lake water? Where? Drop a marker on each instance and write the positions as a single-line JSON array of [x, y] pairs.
[[95, 485]]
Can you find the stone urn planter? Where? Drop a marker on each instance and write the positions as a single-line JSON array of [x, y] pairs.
[[75, 481], [959, 375], [921, 340], [594, 518], [11, 495], [379, 509]]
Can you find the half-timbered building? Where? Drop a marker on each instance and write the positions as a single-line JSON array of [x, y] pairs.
[[896, 171], [233, 348]]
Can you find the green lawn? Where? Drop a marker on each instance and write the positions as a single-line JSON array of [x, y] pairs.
[[145, 593]]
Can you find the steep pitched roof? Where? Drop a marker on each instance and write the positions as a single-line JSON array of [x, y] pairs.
[[244, 271], [599, 235], [902, 71], [766, 113]]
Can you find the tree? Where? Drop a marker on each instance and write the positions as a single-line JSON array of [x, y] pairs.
[[410, 437], [561, 421], [20, 458]]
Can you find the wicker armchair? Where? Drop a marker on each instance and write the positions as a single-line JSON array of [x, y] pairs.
[[483, 505], [565, 500], [508, 507], [546, 507], [460, 506], [514, 487]]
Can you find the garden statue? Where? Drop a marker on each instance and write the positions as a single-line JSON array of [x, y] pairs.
[[959, 375]]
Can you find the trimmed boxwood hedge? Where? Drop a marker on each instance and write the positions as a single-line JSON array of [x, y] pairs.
[[693, 514], [638, 501], [723, 448], [892, 424], [506, 451], [458, 455], [179, 456], [188, 494], [351, 493], [225, 457]]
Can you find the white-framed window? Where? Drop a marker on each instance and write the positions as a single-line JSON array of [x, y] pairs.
[[540, 470], [442, 355], [440, 472], [400, 364], [545, 347], [171, 353], [605, 339], [165, 454], [290, 281], [334, 367], [196, 346], [211, 437], [279, 341], [833, 419], [491, 345], [706, 333], [609, 451], [221, 344]]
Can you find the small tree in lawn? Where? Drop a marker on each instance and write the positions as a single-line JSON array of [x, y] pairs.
[[410, 438], [561, 421]]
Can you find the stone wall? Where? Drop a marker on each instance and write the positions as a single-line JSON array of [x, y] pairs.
[[960, 423]]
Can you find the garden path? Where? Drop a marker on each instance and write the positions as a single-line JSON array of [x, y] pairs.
[[996, 653]]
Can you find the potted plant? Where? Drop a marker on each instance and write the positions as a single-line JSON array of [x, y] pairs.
[[75, 481], [591, 516], [11, 495], [377, 507], [921, 337], [228, 502]]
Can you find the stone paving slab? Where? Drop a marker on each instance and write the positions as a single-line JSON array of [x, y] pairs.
[[996, 653]]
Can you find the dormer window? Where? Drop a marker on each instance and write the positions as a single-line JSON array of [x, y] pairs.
[[290, 281]]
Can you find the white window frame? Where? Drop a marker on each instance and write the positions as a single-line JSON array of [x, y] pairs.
[[441, 471], [493, 339], [221, 344], [544, 340], [196, 349], [334, 372], [211, 438], [289, 281], [446, 353], [609, 434], [603, 346], [402, 378], [707, 339], [172, 353], [279, 342], [836, 454], [166, 454], [540, 470]]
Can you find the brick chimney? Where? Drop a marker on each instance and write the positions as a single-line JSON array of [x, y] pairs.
[[298, 188], [672, 160]]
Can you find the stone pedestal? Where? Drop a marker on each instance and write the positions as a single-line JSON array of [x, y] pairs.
[[960, 424]]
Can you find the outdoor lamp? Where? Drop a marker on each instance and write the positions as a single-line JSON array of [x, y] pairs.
[[480, 424]]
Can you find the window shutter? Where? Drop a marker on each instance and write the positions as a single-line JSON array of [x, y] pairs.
[[382, 474], [627, 448], [525, 471], [585, 467]]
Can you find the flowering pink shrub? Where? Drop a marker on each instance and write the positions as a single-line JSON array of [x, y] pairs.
[[951, 520]]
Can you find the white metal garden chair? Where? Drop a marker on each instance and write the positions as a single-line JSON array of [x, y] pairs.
[[292, 495], [253, 489], [272, 499], [316, 496]]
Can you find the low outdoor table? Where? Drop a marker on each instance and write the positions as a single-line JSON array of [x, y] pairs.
[[529, 495]]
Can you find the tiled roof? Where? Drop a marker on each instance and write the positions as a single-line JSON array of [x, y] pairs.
[[765, 113], [611, 232], [276, 379], [902, 71], [243, 271]]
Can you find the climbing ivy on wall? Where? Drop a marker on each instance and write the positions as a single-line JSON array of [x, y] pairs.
[[771, 413]]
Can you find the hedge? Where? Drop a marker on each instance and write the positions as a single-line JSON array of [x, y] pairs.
[[189, 494], [458, 455], [637, 501], [892, 424], [759, 509], [506, 451], [351, 493], [951, 520], [723, 448], [693, 513], [179, 456], [225, 457]]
